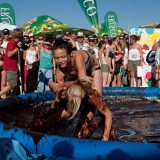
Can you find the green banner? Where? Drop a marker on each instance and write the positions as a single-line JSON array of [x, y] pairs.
[[89, 8], [111, 22], [7, 14]]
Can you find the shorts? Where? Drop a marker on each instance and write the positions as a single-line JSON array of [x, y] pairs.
[[12, 78], [105, 68], [158, 72], [132, 65]]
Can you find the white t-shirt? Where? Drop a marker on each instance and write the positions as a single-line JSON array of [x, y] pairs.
[[4, 44]]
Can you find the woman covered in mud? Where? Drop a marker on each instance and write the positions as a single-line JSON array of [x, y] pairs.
[[78, 76]]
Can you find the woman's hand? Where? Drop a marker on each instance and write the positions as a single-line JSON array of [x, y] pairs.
[[27, 62]]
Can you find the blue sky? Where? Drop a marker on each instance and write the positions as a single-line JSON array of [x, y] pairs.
[[130, 13]]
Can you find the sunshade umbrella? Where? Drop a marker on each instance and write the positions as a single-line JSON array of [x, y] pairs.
[[151, 25], [43, 24], [46, 24]]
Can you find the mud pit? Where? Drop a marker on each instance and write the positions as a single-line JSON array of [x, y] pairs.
[[134, 120]]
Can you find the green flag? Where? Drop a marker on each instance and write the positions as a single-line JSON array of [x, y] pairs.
[[111, 22], [89, 8], [7, 14]]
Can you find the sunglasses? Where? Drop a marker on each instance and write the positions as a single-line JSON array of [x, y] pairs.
[[47, 44], [105, 38], [32, 40]]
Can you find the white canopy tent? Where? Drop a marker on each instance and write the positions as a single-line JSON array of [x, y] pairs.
[[8, 26]]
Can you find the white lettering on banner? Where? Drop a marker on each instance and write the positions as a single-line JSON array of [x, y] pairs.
[[91, 10], [88, 1], [5, 17], [112, 26]]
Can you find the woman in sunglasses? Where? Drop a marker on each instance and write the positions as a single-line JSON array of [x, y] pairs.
[[46, 66], [30, 56]]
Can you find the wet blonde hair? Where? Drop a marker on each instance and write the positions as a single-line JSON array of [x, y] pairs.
[[75, 95]]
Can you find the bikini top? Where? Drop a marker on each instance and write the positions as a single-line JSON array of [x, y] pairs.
[[111, 54]]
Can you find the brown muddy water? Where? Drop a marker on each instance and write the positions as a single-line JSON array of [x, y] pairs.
[[134, 120]]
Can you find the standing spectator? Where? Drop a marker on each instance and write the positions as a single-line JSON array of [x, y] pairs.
[[93, 47], [86, 42], [30, 72], [110, 57], [25, 42], [40, 41], [104, 66], [1, 56], [67, 37], [105, 38], [79, 41], [6, 38], [73, 36], [156, 47], [46, 67], [11, 62], [119, 69], [135, 59]]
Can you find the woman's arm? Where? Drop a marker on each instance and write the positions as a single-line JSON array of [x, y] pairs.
[[107, 57], [156, 45], [141, 53], [100, 55], [24, 56]]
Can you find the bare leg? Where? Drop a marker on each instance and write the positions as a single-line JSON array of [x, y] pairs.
[[5, 90], [3, 82], [132, 77], [105, 77], [158, 83], [96, 100]]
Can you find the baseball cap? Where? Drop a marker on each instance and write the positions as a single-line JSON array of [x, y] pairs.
[[80, 34], [6, 31]]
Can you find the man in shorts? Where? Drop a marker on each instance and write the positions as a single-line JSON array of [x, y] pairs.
[[11, 62]]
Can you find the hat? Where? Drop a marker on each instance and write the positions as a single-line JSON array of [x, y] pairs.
[[80, 34], [59, 36], [6, 31], [25, 36]]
